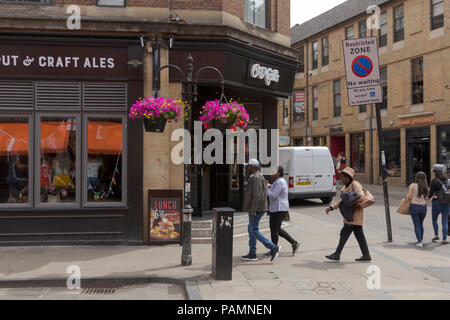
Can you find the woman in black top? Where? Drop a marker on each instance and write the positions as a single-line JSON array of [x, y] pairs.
[[437, 206]]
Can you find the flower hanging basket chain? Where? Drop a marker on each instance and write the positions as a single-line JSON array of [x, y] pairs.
[[157, 111], [224, 115]]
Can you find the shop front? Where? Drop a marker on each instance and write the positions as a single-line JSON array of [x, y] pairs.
[[258, 79], [443, 144], [68, 152]]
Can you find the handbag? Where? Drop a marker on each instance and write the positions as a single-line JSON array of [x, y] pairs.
[[404, 206], [368, 200]]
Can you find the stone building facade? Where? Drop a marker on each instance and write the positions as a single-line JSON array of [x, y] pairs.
[[414, 51]]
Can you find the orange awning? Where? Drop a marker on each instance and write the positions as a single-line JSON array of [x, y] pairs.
[[55, 136], [13, 138], [104, 137]]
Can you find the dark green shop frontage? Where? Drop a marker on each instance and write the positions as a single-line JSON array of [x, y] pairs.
[[68, 154], [224, 185]]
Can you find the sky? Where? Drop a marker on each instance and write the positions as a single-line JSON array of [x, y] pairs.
[[304, 10]]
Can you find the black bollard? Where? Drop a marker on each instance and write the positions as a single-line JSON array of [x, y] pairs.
[[222, 243]]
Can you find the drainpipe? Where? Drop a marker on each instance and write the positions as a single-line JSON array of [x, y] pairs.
[[307, 90]]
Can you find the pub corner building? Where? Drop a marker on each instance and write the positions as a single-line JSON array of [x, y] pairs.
[[74, 168]]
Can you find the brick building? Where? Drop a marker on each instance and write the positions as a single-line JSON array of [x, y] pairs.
[[414, 50], [73, 167]]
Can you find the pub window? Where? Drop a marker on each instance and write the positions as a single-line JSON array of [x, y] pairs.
[[358, 152], [363, 29], [337, 98], [111, 3], [325, 51], [104, 160], [15, 160], [315, 103], [437, 14], [298, 142], [58, 159], [255, 12], [399, 23], [384, 88], [383, 30], [349, 33], [61, 159], [417, 81], [392, 152], [301, 58], [299, 106], [315, 55], [363, 108]]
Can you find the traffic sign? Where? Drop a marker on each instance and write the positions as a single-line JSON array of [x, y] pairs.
[[362, 71], [362, 66]]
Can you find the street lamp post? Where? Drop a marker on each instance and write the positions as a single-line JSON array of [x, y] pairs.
[[189, 95]]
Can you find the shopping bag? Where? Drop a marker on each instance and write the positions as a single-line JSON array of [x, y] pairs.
[[404, 206], [368, 200]]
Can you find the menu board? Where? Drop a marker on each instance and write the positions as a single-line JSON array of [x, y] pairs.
[[165, 216]]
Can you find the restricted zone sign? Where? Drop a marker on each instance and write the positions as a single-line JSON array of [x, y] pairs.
[[362, 71]]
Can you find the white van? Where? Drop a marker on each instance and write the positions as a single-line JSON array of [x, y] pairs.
[[309, 172]]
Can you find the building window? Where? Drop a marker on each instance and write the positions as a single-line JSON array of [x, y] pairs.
[[28, 1], [65, 159], [315, 55], [298, 142], [59, 161], [384, 88], [299, 106], [15, 160], [363, 108], [417, 81], [392, 152], [316, 103], [301, 58], [358, 152], [444, 146], [337, 98], [383, 30], [325, 51], [437, 14], [111, 3], [349, 33], [399, 23], [363, 29], [319, 141], [255, 12]]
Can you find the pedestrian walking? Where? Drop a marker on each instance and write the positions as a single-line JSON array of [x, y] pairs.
[[352, 190], [437, 206], [340, 162], [255, 202], [418, 192], [279, 209]]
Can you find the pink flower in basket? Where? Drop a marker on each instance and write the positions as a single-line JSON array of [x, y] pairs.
[[231, 113]]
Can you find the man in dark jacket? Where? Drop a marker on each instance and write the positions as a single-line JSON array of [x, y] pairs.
[[255, 203]]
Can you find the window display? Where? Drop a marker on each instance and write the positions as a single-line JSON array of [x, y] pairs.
[[14, 172], [392, 149]]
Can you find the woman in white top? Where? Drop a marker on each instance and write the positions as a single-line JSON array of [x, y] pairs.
[[279, 208], [418, 192]]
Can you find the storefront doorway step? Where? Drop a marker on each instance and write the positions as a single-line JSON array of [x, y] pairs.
[[191, 290]]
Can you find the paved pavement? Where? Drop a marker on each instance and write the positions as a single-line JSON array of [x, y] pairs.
[[407, 272]]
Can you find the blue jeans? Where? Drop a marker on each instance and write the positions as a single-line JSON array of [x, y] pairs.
[[255, 234], [418, 214], [439, 208]]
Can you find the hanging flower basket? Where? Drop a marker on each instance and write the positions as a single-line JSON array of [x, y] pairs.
[[224, 116], [157, 125], [156, 112]]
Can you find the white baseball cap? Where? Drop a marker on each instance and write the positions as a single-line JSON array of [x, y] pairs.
[[253, 163]]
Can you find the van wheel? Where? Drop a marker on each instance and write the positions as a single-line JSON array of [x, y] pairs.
[[327, 200]]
